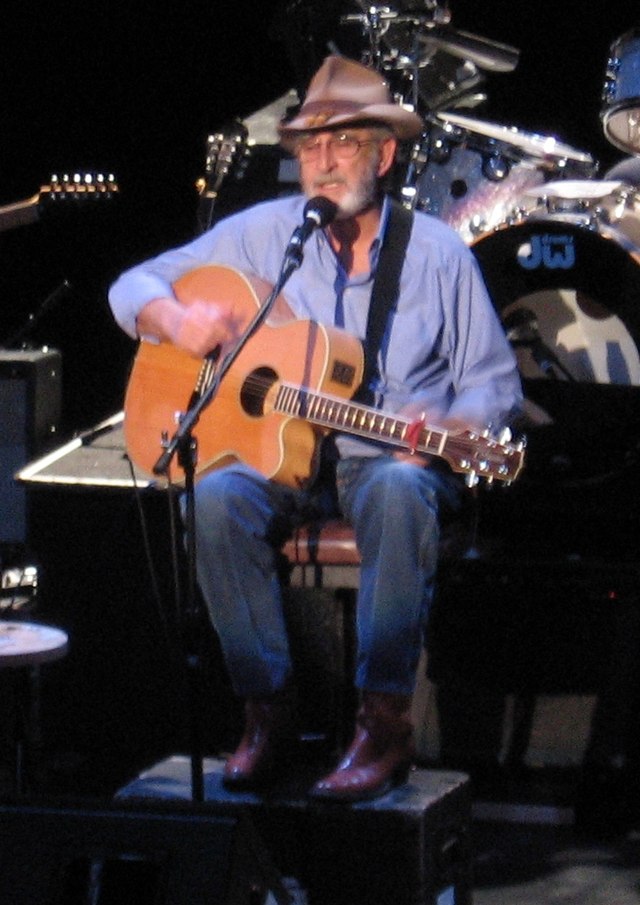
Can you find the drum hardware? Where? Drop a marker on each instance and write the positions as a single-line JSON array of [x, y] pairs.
[[437, 64], [476, 173], [433, 32], [592, 204], [482, 52], [620, 114], [408, 190], [522, 329]]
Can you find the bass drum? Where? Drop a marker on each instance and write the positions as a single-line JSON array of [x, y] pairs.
[[579, 289], [569, 298]]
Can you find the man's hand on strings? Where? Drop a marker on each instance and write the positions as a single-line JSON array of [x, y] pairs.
[[197, 328]]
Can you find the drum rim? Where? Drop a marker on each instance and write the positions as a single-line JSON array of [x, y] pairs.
[[609, 112], [625, 37]]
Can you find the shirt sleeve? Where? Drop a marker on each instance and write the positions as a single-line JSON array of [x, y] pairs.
[[487, 384], [251, 241]]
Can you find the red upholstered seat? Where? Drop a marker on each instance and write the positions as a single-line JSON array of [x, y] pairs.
[[329, 543], [323, 555]]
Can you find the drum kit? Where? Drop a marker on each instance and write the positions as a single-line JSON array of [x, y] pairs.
[[550, 236], [558, 245]]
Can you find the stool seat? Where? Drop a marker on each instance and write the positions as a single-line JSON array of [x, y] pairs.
[[30, 644], [323, 555], [328, 543]]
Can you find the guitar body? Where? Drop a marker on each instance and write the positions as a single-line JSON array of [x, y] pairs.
[[240, 424]]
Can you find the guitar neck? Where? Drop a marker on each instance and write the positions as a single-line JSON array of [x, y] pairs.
[[21, 213], [360, 420], [468, 452]]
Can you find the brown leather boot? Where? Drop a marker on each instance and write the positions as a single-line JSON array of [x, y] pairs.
[[267, 744], [380, 755]]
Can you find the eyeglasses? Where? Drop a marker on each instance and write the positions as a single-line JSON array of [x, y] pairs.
[[344, 146]]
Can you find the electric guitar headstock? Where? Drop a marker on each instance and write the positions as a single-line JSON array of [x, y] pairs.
[[79, 187], [65, 191]]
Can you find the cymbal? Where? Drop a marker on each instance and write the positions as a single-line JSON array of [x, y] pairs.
[[544, 147], [575, 189], [484, 52]]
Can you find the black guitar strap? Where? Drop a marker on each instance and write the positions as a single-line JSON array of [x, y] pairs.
[[384, 295]]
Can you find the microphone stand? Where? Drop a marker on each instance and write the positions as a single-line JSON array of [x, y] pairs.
[[184, 444]]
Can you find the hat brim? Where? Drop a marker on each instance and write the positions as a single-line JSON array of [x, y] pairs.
[[403, 123]]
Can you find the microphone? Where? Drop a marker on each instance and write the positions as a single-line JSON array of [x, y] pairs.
[[522, 330], [318, 213]]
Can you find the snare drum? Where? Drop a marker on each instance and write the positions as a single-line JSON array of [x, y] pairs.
[[621, 93], [476, 172], [579, 284]]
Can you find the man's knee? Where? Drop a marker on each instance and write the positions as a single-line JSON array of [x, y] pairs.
[[220, 493]]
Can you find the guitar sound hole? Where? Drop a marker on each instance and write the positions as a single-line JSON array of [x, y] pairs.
[[254, 391]]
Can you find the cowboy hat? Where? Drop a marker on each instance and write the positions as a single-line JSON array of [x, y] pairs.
[[343, 91]]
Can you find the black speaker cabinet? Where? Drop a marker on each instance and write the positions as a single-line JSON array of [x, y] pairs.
[[410, 847], [30, 411], [52, 855]]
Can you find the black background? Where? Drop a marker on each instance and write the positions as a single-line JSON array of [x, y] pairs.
[[134, 89]]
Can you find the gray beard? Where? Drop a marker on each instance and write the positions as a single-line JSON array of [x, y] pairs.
[[363, 196]]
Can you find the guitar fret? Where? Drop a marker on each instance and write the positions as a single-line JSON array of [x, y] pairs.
[[281, 399]]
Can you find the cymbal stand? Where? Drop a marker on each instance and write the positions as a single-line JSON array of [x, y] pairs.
[[19, 336]]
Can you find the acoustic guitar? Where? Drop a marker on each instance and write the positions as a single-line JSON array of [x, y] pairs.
[[76, 189], [289, 386]]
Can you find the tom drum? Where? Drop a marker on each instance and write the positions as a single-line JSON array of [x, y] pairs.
[[620, 113]]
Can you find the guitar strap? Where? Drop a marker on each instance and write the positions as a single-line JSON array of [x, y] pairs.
[[384, 295]]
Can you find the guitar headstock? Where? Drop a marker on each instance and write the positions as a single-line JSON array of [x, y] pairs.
[[79, 187], [482, 455], [226, 153]]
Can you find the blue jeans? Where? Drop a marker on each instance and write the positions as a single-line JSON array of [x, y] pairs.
[[242, 520]]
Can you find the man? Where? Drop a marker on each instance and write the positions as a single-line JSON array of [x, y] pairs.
[[443, 355]]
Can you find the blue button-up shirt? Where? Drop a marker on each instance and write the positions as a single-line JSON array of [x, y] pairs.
[[444, 347]]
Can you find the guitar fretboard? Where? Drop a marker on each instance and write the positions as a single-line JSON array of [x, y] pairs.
[[335, 413]]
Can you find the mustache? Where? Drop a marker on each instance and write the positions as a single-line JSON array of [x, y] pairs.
[[327, 180]]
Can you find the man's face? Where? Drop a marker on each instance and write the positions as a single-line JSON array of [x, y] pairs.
[[345, 165]]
